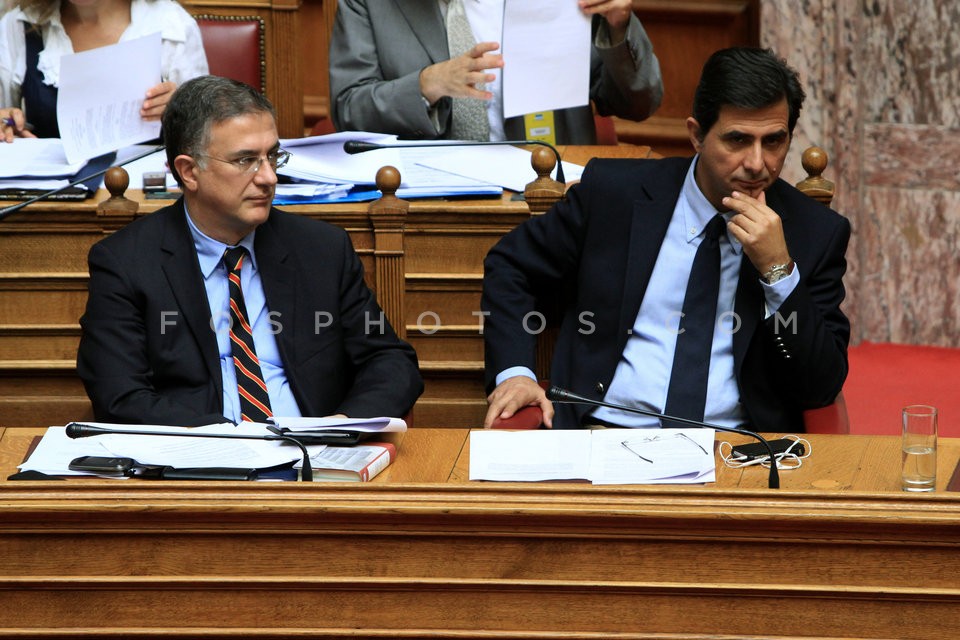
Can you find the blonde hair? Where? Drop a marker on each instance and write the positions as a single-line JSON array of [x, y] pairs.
[[43, 9]]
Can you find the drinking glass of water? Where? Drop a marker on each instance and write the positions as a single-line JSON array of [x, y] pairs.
[[919, 448]]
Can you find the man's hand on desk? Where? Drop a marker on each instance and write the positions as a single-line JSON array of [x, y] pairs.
[[513, 394], [459, 76]]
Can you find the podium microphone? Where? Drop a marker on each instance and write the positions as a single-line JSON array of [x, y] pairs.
[[359, 146], [76, 430], [43, 196], [556, 394]]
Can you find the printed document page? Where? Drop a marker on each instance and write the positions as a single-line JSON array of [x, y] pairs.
[[603, 456], [36, 158], [652, 456], [530, 455], [56, 449], [546, 56], [505, 165], [101, 92]]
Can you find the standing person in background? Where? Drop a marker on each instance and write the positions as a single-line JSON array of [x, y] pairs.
[[34, 34], [393, 70]]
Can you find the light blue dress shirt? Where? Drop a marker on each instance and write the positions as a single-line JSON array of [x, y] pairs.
[[643, 373], [264, 324]]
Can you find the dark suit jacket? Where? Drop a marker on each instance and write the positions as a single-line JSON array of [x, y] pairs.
[[148, 354], [599, 247], [379, 47]]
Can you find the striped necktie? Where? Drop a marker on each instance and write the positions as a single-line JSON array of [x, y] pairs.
[[254, 400], [469, 115], [687, 392]]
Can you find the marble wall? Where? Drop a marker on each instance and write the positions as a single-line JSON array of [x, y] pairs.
[[883, 98]]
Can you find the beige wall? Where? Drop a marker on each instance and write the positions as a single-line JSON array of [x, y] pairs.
[[883, 84]]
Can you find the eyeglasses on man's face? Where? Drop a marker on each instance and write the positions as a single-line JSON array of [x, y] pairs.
[[252, 164]]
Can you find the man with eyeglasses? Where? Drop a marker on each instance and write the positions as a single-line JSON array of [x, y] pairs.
[[220, 307]]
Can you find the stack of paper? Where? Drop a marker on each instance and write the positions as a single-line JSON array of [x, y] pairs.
[[602, 456], [319, 170]]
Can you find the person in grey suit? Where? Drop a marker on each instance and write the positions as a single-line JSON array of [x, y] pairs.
[[391, 70], [159, 342], [621, 248]]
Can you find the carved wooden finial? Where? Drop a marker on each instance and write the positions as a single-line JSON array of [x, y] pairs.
[[814, 162], [542, 193], [388, 181], [117, 180]]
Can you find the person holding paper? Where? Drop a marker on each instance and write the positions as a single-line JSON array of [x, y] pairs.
[[642, 247], [401, 67], [34, 34], [222, 307]]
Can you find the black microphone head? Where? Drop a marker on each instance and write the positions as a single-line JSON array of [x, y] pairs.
[[359, 146], [83, 430], [556, 394]]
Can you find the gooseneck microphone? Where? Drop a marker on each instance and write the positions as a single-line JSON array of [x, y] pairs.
[[359, 146], [43, 196], [556, 394], [76, 430]]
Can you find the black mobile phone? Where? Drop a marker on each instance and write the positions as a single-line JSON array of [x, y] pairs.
[[103, 465], [754, 450]]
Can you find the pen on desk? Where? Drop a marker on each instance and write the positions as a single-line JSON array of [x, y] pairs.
[[10, 123]]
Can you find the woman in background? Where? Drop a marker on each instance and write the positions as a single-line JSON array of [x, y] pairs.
[[34, 34]]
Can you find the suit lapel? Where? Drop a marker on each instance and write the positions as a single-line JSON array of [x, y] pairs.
[[182, 270], [652, 211], [424, 19], [279, 279]]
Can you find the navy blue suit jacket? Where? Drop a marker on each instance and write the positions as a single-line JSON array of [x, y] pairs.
[[137, 367]]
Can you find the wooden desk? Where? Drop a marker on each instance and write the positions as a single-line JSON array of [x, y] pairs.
[[423, 552], [434, 254]]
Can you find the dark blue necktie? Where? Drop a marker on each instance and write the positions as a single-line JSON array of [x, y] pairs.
[[687, 393]]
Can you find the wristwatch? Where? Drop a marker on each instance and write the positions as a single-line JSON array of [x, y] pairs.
[[778, 272]]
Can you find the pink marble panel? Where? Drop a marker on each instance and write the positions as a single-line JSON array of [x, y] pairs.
[[916, 157], [910, 281], [911, 54]]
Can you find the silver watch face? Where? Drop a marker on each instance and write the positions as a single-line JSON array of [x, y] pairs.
[[776, 274]]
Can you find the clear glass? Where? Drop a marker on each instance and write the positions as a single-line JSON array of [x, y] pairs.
[[919, 448]]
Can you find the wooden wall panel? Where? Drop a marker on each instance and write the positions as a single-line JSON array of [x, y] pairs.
[[684, 34]]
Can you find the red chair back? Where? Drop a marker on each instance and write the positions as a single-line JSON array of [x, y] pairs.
[[235, 48]]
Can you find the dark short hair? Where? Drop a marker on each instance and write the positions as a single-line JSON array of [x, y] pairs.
[[746, 78], [200, 103]]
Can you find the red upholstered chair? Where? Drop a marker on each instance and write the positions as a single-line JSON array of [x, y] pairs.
[[829, 419], [235, 47]]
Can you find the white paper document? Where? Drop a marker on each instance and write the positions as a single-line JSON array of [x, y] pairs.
[[55, 450], [546, 56], [36, 158], [322, 158], [100, 96], [602, 456], [503, 165]]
